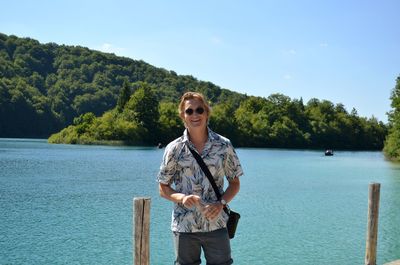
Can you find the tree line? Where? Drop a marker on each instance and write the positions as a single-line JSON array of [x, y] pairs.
[[276, 121], [93, 97]]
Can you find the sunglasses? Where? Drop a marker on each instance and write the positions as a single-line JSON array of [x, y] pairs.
[[199, 110]]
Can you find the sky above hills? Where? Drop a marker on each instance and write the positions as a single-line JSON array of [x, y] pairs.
[[342, 51]]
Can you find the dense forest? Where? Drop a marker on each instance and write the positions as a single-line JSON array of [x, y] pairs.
[[92, 97], [392, 143]]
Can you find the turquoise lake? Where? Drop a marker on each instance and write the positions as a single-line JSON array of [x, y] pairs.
[[72, 204]]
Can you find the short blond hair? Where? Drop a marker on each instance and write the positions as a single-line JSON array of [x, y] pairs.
[[193, 95]]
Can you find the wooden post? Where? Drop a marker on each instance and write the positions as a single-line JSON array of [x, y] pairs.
[[141, 230], [372, 228]]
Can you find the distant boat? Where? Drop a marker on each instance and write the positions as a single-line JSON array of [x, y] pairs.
[[329, 152]]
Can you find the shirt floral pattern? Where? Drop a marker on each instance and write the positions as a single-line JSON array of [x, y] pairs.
[[180, 170]]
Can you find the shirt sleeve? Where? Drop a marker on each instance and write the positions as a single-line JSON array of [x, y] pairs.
[[232, 166], [168, 167]]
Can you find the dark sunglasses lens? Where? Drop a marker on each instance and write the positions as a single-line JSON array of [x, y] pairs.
[[200, 110], [189, 111]]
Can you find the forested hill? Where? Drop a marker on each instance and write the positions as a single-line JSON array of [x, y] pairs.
[[44, 86], [102, 97]]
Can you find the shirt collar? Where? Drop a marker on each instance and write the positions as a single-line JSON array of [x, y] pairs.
[[211, 135]]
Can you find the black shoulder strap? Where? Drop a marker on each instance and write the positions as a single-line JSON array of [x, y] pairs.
[[206, 171], [209, 176]]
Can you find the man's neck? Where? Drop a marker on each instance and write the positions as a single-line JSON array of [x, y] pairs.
[[198, 138]]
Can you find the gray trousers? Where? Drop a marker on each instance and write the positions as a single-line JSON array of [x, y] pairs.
[[215, 244]]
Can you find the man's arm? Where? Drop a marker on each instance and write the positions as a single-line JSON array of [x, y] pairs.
[[169, 193], [232, 189]]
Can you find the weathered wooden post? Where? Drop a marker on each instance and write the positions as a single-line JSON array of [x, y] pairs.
[[372, 227], [141, 236]]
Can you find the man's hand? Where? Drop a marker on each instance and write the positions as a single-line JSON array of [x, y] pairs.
[[191, 200], [211, 211]]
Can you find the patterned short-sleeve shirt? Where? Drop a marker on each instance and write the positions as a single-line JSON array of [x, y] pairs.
[[180, 170]]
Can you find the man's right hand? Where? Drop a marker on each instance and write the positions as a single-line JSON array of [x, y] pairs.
[[191, 200]]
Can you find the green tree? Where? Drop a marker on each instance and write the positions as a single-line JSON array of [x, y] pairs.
[[392, 143], [223, 121], [124, 96], [252, 122], [170, 124], [142, 108]]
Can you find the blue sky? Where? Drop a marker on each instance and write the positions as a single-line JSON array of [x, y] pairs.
[[342, 51]]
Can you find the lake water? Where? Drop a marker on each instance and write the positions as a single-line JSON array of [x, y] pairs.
[[72, 204]]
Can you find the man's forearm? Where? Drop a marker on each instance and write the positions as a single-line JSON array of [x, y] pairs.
[[170, 194], [232, 189]]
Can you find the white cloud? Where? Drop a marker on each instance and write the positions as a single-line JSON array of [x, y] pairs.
[[289, 52], [323, 44], [287, 76], [216, 40], [106, 47], [109, 48]]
